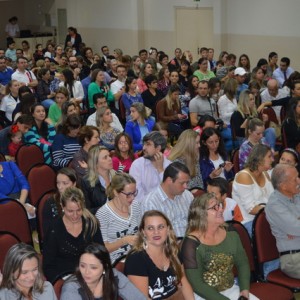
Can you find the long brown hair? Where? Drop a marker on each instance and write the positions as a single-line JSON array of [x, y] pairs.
[[170, 248]]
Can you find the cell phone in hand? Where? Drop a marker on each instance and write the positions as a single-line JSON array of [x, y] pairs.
[[222, 165]]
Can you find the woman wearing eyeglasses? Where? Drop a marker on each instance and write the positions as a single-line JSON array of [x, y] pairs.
[[209, 253], [120, 217], [153, 265]]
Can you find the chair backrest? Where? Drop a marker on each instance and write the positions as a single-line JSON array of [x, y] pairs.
[[27, 156], [58, 287], [283, 136], [7, 239], [282, 113], [246, 242], [119, 264], [39, 215], [232, 125], [235, 160], [13, 218], [264, 242], [2, 157], [122, 111], [41, 179], [271, 114]]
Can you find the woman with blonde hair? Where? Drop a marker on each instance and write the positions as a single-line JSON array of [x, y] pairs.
[[227, 105], [108, 133], [99, 175], [186, 151], [139, 125], [245, 109], [68, 235], [120, 217], [209, 253], [153, 265], [23, 277], [169, 111]]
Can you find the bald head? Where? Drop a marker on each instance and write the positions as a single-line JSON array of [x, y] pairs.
[[273, 87]]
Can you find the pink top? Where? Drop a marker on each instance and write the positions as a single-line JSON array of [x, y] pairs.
[[122, 166]]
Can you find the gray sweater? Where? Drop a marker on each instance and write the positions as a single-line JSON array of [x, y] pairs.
[[127, 291], [48, 294]]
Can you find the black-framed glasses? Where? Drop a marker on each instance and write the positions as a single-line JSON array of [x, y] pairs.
[[128, 195], [216, 207]]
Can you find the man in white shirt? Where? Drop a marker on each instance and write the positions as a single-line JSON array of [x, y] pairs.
[[24, 76], [273, 93], [172, 197], [118, 86], [284, 71], [148, 170], [100, 101]]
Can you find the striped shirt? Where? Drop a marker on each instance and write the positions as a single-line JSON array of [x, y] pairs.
[[114, 227], [175, 209], [32, 137], [63, 149]]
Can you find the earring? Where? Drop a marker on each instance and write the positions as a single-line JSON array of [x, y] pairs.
[[145, 246], [103, 273]]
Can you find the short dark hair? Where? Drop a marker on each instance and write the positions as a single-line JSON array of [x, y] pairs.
[[103, 48], [98, 96], [25, 119], [206, 118], [286, 60], [143, 51], [157, 138], [219, 182], [149, 79], [72, 122], [173, 169]]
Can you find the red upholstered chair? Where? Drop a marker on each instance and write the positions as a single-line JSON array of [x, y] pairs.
[[39, 215], [122, 111], [262, 290], [28, 156], [41, 179], [119, 264], [58, 284], [13, 218], [7, 239], [265, 250], [235, 160], [2, 157]]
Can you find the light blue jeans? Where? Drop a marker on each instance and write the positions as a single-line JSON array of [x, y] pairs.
[[47, 103]]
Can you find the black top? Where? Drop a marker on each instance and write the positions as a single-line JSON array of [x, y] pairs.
[[50, 213], [62, 250], [162, 284], [95, 197], [150, 100]]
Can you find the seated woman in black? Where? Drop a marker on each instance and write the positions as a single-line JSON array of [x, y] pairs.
[[69, 235], [100, 173]]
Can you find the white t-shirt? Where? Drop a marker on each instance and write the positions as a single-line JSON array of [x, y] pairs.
[[228, 212]]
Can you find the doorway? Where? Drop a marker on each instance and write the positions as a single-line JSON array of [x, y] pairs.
[[194, 29]]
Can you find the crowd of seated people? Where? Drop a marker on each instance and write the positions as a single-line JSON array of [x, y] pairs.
[[135, 142]]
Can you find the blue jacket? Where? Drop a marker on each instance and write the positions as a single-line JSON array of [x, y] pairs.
[[133, 130], [206, 167], [11, 180]]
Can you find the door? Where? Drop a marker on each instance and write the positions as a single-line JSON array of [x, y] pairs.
[[194, 29]]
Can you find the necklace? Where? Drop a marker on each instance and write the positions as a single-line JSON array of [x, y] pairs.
[[162, 264]]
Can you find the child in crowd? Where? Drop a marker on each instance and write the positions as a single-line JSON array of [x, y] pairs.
[[219, 186], [15, 136]]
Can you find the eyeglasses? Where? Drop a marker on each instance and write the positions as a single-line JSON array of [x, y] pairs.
[[216, 207], [128, 195]]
